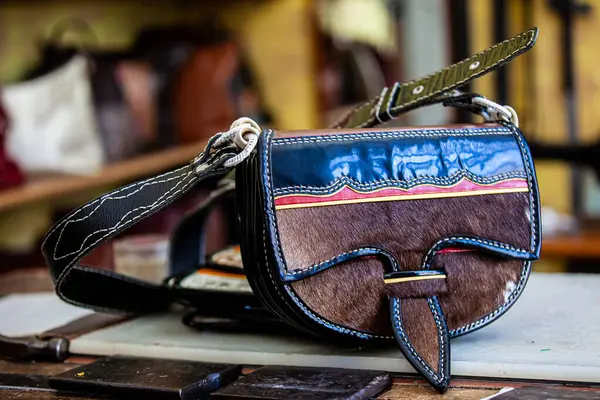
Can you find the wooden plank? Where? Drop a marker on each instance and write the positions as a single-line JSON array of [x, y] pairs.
[[584, 245], [129, 170]]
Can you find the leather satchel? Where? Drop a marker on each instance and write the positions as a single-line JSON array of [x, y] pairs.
[[408, 236]]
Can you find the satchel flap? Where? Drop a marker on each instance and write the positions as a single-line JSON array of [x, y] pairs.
[[426, 218]]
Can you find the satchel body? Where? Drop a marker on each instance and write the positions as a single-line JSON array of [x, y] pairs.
[[404, 236]]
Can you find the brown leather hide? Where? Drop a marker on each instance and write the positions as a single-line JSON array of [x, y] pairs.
[[421, 330], [353, 293], [203, 103]]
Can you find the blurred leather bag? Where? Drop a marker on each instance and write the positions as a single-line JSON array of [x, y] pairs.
[[53, 126], [122, 85], [355, 234]]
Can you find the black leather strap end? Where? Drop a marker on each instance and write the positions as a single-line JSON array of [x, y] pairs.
[[431, 88]]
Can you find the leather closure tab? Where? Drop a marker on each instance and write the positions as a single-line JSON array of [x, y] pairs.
[[431, 88], [421, 331]]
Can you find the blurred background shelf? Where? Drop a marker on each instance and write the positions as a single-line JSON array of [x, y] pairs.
[[577, 246], [133, 169]]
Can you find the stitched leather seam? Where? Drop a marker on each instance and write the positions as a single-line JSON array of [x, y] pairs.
[[270, 217], [141, 184], [498, 310], [429, 133], [441, 337], [121, 221], [493, 243], [527, 162], [67, 268], [345, 180], [294, 273], [335, 327], [456, 66], [526, 264], [400, 328]]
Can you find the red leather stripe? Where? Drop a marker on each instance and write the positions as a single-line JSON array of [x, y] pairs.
[[348, 194]]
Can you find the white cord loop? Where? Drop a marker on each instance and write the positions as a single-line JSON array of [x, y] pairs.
[[495, 112], [243, 133]]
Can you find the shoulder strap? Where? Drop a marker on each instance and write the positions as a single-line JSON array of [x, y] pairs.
[[187, 244], [92, 224], [437, 87]]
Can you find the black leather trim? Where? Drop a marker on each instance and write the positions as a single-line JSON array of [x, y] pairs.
[[187, 248]]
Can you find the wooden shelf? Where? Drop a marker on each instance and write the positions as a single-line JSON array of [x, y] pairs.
[[581, 245], [133, 169]]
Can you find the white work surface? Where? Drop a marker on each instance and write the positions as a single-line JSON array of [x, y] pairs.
[[552, 332]]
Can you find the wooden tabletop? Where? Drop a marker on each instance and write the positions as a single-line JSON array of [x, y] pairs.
[[403, 387]]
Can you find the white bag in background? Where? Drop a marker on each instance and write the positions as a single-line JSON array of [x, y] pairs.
[[52, 125]]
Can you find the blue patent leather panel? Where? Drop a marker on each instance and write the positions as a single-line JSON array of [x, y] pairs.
[[388, 159]]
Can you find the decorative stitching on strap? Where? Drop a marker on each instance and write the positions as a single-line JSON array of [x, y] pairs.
[[122, 221], [75, 212], [454, 84], [59, 280]]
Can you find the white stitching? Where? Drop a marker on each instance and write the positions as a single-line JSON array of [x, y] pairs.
[[492, 243], [526, 162], [343, 137], [346, 180], [443, 342], [456, 66], [437, 377], [526, 265], [120, 222], [270, 216], [348, 117], [60, 278], [329, 324], [75, 212], [294, 273]]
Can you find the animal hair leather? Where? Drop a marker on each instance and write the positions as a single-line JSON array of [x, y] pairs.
[[353, 293]]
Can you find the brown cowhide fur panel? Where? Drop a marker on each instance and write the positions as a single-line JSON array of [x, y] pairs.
[[353, 293], [421, 330]]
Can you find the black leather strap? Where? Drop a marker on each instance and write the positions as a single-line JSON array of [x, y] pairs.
[[187, 249], [437, 87], [89, 226]]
